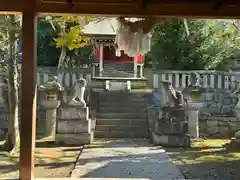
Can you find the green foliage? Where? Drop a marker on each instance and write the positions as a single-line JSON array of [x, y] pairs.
[[47, 53], [209, 46]]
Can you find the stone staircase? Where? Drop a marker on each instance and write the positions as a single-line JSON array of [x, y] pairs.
[[121, 115], [118, 70]]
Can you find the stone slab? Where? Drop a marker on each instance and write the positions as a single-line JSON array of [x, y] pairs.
[[235, 142], [125, 159], [75, 139], [93, 179], [81, 113], [73, 126], [171, 140], [173, 128]]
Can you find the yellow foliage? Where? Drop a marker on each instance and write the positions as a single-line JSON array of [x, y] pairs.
[[71, 39]]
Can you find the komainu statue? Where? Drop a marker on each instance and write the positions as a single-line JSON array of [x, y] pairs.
[[171, 126], [175, 97]]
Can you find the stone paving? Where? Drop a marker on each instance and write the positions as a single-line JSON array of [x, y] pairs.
[[125, 159]]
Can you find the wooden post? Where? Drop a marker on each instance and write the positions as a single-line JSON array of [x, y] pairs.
[[28, 97], [135, 66], [101, 60], [141, 71]]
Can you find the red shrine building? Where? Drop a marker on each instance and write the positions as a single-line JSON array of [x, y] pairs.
[[109, 62]]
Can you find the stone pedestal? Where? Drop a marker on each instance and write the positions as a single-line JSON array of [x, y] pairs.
[[193, 119], [237, 108], [50, 103], [74, 127], [171, 128], [50, 123], [51, 114], [235, 141]]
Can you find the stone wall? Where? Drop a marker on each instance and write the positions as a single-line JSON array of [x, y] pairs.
[[219, 126], [218, 101]]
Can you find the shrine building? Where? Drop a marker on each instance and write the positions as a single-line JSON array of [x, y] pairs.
[[109, 62]]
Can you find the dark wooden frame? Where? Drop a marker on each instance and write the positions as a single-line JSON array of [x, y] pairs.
[[30, 8]]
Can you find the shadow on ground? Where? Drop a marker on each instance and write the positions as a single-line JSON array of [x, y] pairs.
[[212, 159], [52, 161]]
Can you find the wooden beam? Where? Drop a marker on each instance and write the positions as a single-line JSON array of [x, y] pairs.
[[11, 6], [198, 9], [169, 8], [28, 100]]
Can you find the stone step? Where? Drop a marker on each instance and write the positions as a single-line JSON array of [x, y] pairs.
[[121, 115], [121, 134], [124, 128], [139, 122], [122, 94], [122, 104], [121, 98], [121, 109]]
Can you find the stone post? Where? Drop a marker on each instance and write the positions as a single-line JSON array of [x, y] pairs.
[[237, 108], [193, 118], [50, 103], [235, 141]]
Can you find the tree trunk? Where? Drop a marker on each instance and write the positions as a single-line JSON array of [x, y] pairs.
[[62, 57], [12, 142]]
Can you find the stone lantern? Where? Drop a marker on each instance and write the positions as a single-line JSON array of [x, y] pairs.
[[50, 103]]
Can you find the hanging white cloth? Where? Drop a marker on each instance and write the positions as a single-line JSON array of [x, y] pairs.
[[133, 43]]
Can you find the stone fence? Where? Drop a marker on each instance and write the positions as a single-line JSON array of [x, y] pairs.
[[65, 77], [209, 79]]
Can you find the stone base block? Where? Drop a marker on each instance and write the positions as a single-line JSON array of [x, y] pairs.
[[75, 139], [173, 127], [3, 133], [171, 140], [235, 142], [72, 112], [73, 126]]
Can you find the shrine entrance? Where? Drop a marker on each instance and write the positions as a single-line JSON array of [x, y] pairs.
[[109, 61], [30, 9]]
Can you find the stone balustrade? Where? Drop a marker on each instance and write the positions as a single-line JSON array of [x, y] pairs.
[[209, 79]]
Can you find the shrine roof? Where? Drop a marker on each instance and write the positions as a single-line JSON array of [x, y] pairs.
[[106, 26]]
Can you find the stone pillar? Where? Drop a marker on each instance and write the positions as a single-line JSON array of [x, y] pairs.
[[193, 119], [237, 108], [135, 66], [155, 81], [50, 103], [141, 71], [101, 60], [235, 141]]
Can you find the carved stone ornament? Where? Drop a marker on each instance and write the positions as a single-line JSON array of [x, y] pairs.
[[78, 93], [53, 85]]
